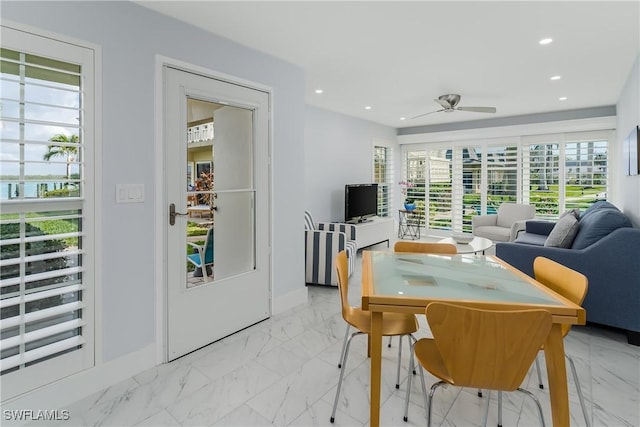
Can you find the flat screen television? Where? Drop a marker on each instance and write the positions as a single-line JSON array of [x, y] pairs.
[[360, 202]]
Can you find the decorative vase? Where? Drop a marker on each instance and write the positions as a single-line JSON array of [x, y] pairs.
[[409, 206]]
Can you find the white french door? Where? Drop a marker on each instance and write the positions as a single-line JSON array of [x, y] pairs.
[[218, 249]]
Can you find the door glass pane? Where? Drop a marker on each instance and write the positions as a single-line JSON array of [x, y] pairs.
[[220, 192]]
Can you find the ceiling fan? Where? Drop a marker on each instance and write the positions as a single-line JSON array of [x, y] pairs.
[[449, 104]]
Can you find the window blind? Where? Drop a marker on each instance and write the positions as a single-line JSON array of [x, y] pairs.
[[383, 175], [41, 225]]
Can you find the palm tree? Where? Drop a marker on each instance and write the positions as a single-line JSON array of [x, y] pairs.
[[68, 151]]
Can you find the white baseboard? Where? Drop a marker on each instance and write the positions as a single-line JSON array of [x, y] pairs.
[[64, 392], [289, 301]]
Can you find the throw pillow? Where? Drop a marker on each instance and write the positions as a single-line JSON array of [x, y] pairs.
[[575, 212], [563, 232]]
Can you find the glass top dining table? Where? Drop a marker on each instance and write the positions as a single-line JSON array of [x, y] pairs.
[[408, 282]]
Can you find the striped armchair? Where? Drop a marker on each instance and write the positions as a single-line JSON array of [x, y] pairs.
[[323, 241]]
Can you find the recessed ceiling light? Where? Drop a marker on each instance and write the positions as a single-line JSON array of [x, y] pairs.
[[319, 91], [545, 41], [556, 77], [368, 107], [562, 98], [402, 118]]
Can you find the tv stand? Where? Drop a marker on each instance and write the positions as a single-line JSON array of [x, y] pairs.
[[373, 231], [359, 221]]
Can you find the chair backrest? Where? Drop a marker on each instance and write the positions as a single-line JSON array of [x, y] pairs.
[[308, 221], [343, 284], [508, 213], [489, 349], [208, 247], [425, 248], [562, 280]]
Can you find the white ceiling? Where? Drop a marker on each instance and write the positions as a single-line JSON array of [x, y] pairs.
[[398, 56]]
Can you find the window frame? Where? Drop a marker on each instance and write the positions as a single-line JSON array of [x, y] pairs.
[[27, 40], [522, 142], [387, 185]]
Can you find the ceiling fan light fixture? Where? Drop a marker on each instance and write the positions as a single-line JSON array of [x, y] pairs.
[[449, 104]]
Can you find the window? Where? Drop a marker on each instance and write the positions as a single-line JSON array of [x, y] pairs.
[[383, 176], [502, 173], [439, 189], [46, 283], [540, 170], [454, 182], [415, 171], [585, 166]]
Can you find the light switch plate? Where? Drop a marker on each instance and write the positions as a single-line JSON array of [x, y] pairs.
[[129, 193]]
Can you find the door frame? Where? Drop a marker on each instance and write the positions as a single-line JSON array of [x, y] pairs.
[[161, 202]]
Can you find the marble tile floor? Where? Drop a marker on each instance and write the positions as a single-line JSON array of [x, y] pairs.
[[283, 372]]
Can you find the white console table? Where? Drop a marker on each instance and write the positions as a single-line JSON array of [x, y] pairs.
[[375, 230]]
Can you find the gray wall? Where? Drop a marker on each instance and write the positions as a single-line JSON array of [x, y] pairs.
[[628, 116], [130, 36], [337, 151]]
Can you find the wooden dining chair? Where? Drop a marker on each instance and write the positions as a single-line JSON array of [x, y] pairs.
[[482, 349], [573, 286], [392, 323], [425, 248]]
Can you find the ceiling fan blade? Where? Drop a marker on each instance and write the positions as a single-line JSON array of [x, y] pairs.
[[478, 109], [426, 114], [445, 104]]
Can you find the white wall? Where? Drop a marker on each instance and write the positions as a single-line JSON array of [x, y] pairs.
[[130, 37], [338, 150], [628, 117]]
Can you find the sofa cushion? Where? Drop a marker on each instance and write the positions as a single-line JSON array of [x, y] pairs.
[[563, 232], [493, 232], [597, 224], [531, 239], [596, 207]]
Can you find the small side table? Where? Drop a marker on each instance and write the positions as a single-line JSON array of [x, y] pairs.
[[478, 244], [408, 225]]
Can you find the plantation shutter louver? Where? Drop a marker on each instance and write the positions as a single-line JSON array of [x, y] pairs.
[[384, 177], [44, 285]]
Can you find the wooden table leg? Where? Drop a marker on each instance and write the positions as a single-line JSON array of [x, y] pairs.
[[376, 366], [557, 376]]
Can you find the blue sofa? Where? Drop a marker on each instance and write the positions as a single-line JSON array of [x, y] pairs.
[[606, 249]]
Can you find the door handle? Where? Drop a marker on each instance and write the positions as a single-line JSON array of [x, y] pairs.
[[173, 214]]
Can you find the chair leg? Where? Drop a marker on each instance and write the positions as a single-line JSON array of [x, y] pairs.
[[406, 398], [412, 355], [399, 363], [579, 389], [539, 374], [412, 367], [535, 399], [429, 400], [344, 368], [499, 409], [344, 345], [485, 414]]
